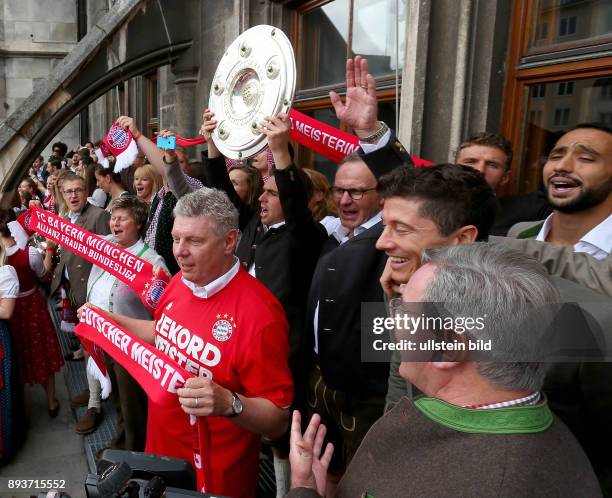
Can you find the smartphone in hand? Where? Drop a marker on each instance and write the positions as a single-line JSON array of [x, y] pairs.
[[166, 143]]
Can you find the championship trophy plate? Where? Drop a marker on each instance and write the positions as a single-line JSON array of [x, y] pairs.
[[255, 78]]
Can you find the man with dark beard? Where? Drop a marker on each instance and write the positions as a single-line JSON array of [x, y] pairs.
[[578, 180], [575, 242]]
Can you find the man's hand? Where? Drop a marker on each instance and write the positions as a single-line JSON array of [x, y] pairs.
[[80, 311], [390, 286], [209, 123], [159, 271], [127, 122], [308, 466], [360, 111], [277, 129], [203, 398], [169, 154]]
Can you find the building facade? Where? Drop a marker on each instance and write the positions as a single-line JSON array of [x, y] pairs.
[[445, 69]]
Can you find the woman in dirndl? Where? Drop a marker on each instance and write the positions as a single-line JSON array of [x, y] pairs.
[[11, 413], [37, 349]]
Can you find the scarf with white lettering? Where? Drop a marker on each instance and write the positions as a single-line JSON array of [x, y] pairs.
[[330, 142], [130, 269], [157, 374]]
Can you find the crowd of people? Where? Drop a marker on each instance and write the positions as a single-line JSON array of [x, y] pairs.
[[270, 265]]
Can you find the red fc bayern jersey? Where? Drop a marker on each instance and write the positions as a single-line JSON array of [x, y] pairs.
[[238, 338]]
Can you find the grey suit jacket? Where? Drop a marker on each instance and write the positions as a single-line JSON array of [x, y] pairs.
[[517, 229], [95, 220], [561, 261]]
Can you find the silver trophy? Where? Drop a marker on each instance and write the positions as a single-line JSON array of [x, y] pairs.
[[255, 78]]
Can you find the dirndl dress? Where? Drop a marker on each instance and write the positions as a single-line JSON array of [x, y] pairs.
[[11, 402], [37, 349]]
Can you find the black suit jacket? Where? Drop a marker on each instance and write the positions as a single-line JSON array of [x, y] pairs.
[[516, 208], [285, 257], [346, 277]]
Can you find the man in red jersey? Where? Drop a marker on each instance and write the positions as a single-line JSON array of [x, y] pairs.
[[221, 324]]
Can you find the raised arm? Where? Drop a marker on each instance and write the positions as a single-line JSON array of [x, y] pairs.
[[290, 183], [360, 109], [209, 123], [147, 147], [216, 172]]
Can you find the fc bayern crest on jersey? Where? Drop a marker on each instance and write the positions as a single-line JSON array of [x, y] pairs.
[[154, 292], [224, 327]]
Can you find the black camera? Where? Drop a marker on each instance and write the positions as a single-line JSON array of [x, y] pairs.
[[130, 474]]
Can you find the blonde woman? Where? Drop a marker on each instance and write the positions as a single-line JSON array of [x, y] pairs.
[[147, 182]]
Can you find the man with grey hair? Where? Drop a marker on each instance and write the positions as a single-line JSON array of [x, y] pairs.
[[485, 424], [220, 323]]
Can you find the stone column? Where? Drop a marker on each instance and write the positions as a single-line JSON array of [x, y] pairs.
[[187, 109], [453, 76]]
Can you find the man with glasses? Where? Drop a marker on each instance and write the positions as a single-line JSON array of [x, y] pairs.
[[483, 426], [72, 272], [72, 268], [349, 395], [354, 192]]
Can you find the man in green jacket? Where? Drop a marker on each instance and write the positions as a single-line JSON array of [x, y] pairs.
[[482, 428]]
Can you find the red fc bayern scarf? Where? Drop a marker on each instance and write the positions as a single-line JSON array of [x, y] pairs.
[[130, 269], [330, 142], [118, 143], [157, 374]]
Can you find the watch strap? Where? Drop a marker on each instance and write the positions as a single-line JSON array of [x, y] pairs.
[[375, 137], [234, 398]]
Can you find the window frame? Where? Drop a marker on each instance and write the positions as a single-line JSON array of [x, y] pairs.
[[151, 107], [317, 98], [521, 73]]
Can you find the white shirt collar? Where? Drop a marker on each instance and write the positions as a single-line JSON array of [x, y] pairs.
[[73, 216], [276, 225], [597, 242], [210, 289], [341, 232]]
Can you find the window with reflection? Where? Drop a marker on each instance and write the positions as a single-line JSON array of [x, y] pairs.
[[557, 23], [559, 75], [332, 32], [376, 24], [551, 117], [323, 42], [326, 33]]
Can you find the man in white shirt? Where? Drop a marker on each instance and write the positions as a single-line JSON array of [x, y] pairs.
[[578, 180]]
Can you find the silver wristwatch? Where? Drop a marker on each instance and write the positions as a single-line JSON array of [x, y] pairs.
[[236, 405]]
